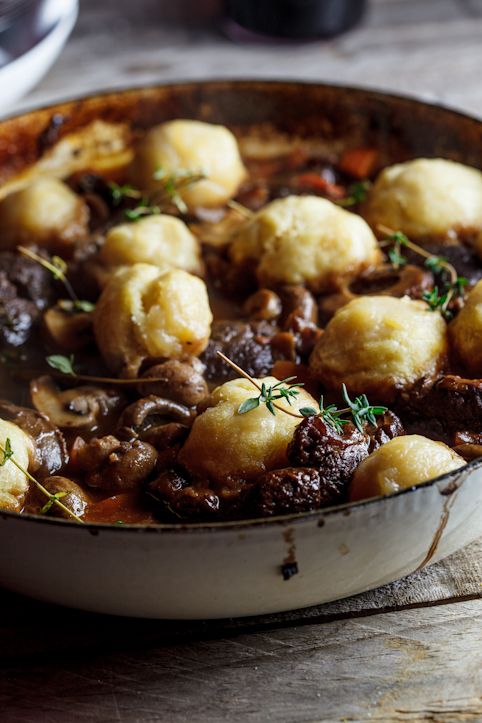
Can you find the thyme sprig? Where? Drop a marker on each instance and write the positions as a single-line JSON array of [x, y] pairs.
[[357, 193], [168, 193], [53, 498], [64, 365], [359, 410], [121, 193], [61, 363], [451, 285]]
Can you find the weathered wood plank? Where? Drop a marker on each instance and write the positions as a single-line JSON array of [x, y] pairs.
[[419, 665]]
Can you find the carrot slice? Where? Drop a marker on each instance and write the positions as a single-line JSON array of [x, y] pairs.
[[358, 162]]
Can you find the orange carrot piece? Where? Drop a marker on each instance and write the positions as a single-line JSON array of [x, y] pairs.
[[358, 162]]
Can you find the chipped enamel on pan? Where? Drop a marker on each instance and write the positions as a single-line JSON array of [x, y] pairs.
[[259, 566]]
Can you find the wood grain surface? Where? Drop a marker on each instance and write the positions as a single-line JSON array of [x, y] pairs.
[[411, 651]]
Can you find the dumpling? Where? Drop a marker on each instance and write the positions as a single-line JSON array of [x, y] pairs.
[[198, 147], [46, 213], [465, 332], [160, 240], [224, 444], [14, 483], [305, 240], [379, 345], [427, 197], [145, 312], [401, 463]]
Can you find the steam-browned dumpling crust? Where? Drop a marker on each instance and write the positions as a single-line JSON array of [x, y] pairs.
[[148, 312], [305, 240], [427, 197], [378, 345], [224, 444], [194, 146], [465, 332], [160, 240], [13, 482], [401, 463], [46, 213]]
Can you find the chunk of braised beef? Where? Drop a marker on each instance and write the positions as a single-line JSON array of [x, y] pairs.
[[291, 490], [17, 318], [30, 279], [453, 402], [110, 464], [49, 444], [462, 258], [388, 427], [180, 499], [246, 344], [336, 456]]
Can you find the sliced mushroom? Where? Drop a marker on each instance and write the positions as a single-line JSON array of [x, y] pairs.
[[67, 329], [181, 381], [72, 496], [110, 464], [86, 408], [263, 305], [152, 412], [408, 281], [49, 444]]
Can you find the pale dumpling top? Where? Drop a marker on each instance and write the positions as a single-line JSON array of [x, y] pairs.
[[13, 482], [198, 147], [223, 443], [160, 240], [427, 197], [380, 345], [305, 240], [45, 213]]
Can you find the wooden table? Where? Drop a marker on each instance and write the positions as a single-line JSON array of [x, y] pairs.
[[410, 652]]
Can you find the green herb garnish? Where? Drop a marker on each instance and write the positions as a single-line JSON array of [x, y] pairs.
[[54, 499], [356, 194], [360, 411], [120, 193], [61, 363]]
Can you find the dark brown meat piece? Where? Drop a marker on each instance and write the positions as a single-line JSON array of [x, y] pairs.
[[110, 464], [454, 403], [179, 499], [29, 278], [336, 456], [17, 317], [246, 344], [50, 450], [462, 258], [388, 427], [293, 489], [181, 381]]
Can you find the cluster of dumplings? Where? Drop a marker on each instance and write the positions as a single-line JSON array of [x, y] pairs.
[[155, 301]]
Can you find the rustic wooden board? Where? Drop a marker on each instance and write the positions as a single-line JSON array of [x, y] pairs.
[[422, 665]]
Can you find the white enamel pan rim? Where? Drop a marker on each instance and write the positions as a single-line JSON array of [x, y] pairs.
[[344, 509]]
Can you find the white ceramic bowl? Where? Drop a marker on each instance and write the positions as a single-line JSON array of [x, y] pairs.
[[261, 566], [22, 74]]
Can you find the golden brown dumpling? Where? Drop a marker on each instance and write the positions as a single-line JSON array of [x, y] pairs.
[[427, 197], [148, 312], [14, 483], [465, 332], [378, 345], [401, 463], [46, 213], [223, 443], [160, 240], [198, 147], [305, 240]]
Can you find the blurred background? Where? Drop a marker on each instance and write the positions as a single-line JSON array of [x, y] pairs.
[[53, 49]]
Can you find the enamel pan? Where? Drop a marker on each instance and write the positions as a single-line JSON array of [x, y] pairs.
[[261, 566]]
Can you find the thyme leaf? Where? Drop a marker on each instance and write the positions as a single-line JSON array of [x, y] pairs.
[[357, 193], [50, 503], [61, 363], [7, 452]]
